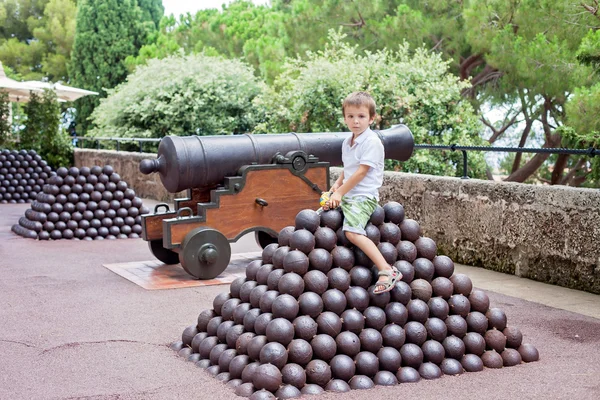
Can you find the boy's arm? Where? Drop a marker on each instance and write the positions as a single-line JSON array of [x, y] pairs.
[[338, 183], [358, 176]]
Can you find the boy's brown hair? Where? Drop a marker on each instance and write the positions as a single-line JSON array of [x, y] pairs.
[[359, 99]]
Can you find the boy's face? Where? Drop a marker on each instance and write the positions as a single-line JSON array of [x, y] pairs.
[[357, 118]]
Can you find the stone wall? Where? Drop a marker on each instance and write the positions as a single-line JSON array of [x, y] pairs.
[[546, 233]]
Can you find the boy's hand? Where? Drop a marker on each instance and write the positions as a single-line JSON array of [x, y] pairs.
[[334, 201], [335, 187]]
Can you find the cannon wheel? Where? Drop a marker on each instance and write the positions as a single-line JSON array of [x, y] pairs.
[[205, 253], [167, 256], [263, 239]]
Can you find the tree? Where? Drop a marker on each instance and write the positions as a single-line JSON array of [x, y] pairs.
[[152, 10], [107, 32], [4, 119]]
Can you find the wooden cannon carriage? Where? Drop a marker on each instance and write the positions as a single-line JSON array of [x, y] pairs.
[[241, 184]]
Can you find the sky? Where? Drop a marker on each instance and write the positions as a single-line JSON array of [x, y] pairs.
[[179, 7]]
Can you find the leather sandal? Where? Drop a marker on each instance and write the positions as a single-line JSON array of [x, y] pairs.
[[393, 276]]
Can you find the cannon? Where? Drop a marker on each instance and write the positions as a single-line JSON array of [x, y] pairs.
[[240, 184]]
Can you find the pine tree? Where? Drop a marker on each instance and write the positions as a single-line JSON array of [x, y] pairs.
[[152, 10], [107, 32]]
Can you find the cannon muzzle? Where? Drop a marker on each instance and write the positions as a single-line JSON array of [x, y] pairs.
[[198, 161]]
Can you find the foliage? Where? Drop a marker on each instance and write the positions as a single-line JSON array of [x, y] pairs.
[[42, 131], [152, 11], [181, 95], [410, 88], [36, 37], [4, 116], [107, 32]]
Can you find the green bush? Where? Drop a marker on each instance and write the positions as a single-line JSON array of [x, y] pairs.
[[412, 88], [4, 122], [181, 95]]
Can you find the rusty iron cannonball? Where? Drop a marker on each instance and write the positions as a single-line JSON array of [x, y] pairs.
[[479, 301], [245, 389], [388, 251], [325, 238], [442, 287], [357, 297], [474, 343], [511, 357], [296, 261], [229, 307], [232, 384], [302, 240], [353, 321], [472, 363], [361, 258], [285, 306], [318, 372], [348, 343], [292, 284], [361, 276], [495, 339], [188, 334], [233, 335], [262, 275], [375, 318], [454, 347], [410, 229], [255, 346], [426, 248], [299, 352], [361, 382], [268, 377], [339, 279], [283, 239], [249, 371], [408, 375], [528, 352], [477, 322], [342, 367], [394, 212], [438, 308], [496, 318], [176, 346], [421, 289], [250, 319], [385, 378], [185, 353], [396, 313], [316, 281], [393, 336], [401, 293], [418, 311], [444, 266], [267, 254], [378, 216], [252, 269], [324, 347], [329, 323], [407, 251], [305, 327], [310, 304], [274, 353], [223, 329], [225, 360], [389, 359], [343, 258], [462, 284], [415, 332], [312, 389], [459, 305], [256, 293], [514, 337], [267, 299], [215, 353], [307, 219], [193, 358], [367, 363], [390, 232], [424, 269], [294, 374], [219, 300], [261, 322], [288, 392], [332, 219], [433, 351], [373, 233], [241, 344], [334, 300], [492, 359], [320, 259], [262, 395], [370, 340], [450, 366], [429, 370]]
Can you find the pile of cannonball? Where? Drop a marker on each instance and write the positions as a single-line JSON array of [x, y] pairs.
[[83, 203], [22, 175], [304, 319]]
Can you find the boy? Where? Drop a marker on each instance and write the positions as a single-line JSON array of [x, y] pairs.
[[357, 188]]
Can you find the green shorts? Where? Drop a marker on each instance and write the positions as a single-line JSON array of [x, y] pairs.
[[357, 213]]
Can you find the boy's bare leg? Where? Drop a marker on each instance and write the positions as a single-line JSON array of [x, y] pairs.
[[371, 250]]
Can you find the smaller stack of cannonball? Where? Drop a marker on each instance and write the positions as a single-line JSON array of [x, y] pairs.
[[83, 203], [22, 175]]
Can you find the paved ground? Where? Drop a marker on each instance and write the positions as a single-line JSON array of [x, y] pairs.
[[72, 329]]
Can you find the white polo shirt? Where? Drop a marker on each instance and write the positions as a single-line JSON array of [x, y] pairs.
[[367, 150]]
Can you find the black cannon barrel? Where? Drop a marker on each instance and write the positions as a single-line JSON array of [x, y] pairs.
[[197, 161]]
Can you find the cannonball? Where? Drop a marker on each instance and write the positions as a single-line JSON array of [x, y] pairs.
[[288, 392], [241, 344], [343, 258], [373, 233], [245, 390], [396, 313], [390, 232], [495, 340], [219, 300], [318, 372], [511, 357], [401, 293], [462, 284], [274, 353], [471, 363], [223, 329], [378, 216], [329, 323], [491, 359], [337, 386], [415, 332], [308, 219], [215, 353], [528, 352], [418, 311], [299, 352], [233, 334], [267, 377], [262, 395], [332, 219], [394, 212], [496, 318], [370, 340], [316, 281], [338, 279], [285, 306], [450, 366], [423, 269], [479, 301], [196, 341], [348, 343], [421, 289], [267, 299], [357, 297], [188, 334], [324, 347], [293, 374], [393, 336], [385, 378], [389, 359], [250, 319], [360, 276], [459, 305], [436, 329], [267, 253], [514, 337], [302, 240], [412, 355], [375, 318], [252, 268], [203, 363], [225, 360], [477, 322], [361, 258], [262, 275], [444, 266], [283, 239], [411, 230], [256, 293], [320, 259], [433, 351], [229, 307], [310, 304], [334, 300], [296, 261], [280, 330], [442, 287], [408, 375], [454, 347], [474, 343], [426, 248], [292, 284], [305, 327], [367, 363], [342, 239], [261, 322], [406, 269], [279, 256], [312, 389], [429, 370], [255, 346], [185, 352], [342, 367], [438, 307], [353, 321], [325, 238], [273, 279], [407, 251]]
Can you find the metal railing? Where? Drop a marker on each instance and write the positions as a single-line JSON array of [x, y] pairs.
[[590, 152]]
